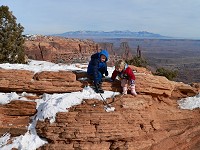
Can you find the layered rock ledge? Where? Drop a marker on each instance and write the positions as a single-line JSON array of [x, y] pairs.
[[151, 120]]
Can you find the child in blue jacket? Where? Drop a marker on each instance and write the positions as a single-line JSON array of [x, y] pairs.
[[97, 67]]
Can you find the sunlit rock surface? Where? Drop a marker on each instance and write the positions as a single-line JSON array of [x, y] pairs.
[[151, 120]]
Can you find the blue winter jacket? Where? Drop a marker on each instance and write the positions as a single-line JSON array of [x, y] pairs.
[[96, 68]]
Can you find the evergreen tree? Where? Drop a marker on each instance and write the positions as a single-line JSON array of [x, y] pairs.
[[11, 39]]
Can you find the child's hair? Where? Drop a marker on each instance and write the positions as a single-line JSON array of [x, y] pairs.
[[120, 64]]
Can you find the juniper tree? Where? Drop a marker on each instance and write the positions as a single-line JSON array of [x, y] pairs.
[[11, 39]]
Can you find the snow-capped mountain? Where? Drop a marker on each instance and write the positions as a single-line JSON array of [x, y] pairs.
[[110, 34]]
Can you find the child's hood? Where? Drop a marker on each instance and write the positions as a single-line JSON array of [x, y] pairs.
[[105, 53]]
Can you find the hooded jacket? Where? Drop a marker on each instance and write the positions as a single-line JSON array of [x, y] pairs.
[[95, 65]]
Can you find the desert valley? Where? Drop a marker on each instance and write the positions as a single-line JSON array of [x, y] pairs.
[[48, 103]]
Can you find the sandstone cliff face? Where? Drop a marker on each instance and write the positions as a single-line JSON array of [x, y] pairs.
[[151, 120], [58, 49], [66, 50]]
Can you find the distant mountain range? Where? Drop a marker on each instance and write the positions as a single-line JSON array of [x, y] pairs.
[[111, 34]]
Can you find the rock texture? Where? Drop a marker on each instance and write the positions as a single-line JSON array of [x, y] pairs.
[[58, 49], [66, 50], [15, 117], [151, 120], [49, 82]]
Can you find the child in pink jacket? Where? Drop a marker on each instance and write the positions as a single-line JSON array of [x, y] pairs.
[[125, 75]]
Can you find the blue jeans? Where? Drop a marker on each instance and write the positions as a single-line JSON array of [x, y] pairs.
[[98, 79]]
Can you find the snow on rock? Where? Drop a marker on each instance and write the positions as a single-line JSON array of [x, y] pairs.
[[190, 102]]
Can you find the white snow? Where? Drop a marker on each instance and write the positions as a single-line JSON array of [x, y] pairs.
[[190, 102], [38, 66], [6, 98], [53, 103]]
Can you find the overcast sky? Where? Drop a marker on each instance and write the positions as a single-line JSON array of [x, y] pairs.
[[177, 18]]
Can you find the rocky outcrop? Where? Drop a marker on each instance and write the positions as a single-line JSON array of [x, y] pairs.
[[138, 123], [59, 49], [43, 82], [15, 117], [68, 50], [151, 120], [196, 85], [67, 81]]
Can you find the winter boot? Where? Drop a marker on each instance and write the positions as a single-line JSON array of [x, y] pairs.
[[98, 88], [133, 92], [124, 90]]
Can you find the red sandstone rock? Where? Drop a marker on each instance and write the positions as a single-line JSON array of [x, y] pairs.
[[141, 122], [151, 120], [67, 50], [15, 117], [56, 76], [49, 82], [58, 49], [196, 85], [140, 69]]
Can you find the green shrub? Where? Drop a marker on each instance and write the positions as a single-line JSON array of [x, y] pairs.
[[169, 74], [11, 39], [137, 61]]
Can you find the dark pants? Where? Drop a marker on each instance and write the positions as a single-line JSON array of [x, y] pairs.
[[99, 77]]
